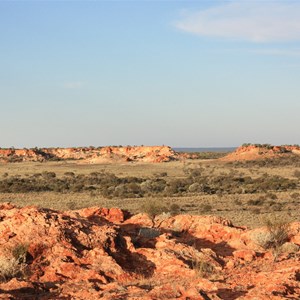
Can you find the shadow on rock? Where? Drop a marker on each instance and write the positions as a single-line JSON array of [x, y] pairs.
[[228, 294], [38, 292], [131, 262]]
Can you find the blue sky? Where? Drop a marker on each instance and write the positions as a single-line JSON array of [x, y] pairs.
[[179, 73]]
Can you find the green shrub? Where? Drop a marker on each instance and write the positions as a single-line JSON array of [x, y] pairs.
[[153, 208]]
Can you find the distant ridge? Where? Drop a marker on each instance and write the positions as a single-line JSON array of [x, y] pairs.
[[204, 149], [261, 151], [91, 155]]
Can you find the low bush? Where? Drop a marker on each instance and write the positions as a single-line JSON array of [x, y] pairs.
[[205, 208], [278, 233], [20, 252], [271, 196], [295, 195], [256, 202], [154, 208], [111, 186], [297, 173], [289, 160], [202, 268], [14, 264], [10, 268], [174, 209]]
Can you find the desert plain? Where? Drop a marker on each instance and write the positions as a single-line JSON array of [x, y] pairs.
[[150, 223]]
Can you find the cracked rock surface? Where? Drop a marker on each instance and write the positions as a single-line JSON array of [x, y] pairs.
[[99, 253]]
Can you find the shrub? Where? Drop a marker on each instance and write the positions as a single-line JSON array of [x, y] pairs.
[[69, 174], [256, 202], [14, 266], [10, 268], [276, 206], [238, 202], [256, 211], [174, 209], [205, 208], [202, 268], [161, 174], [195, 187], [153, 208], [277, 234], [20, 252], [295, 195], [271, 196], [48, 175], [297, 173]]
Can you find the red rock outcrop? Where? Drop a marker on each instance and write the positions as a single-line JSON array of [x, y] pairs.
[[254, 152], [98, 253], [91, 155]]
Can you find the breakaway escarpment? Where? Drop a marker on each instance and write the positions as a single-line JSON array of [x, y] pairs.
[[91, 154], [261, 151]]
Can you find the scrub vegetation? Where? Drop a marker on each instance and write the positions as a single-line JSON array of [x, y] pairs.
[[244, 192]]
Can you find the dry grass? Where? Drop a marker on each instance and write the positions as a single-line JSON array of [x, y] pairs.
[[14, 263], [233, 207], [240, 208], [173, 169], [203, 268], [277, 234], [9, 268]]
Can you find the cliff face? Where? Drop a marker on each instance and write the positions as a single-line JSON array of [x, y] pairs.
[[99, 253], [254, 152], [91, 155]]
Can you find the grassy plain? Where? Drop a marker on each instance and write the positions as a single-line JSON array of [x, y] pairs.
[[250, 209]]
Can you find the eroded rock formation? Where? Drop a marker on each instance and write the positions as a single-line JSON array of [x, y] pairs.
[[254, 152], [91, 154], [98, 253]]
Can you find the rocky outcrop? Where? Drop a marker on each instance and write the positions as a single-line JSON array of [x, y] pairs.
[[98, 253], [91, 154], [254, 152]]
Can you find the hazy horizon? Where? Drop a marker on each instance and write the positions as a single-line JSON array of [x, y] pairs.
[[179, 73], [96, 146]]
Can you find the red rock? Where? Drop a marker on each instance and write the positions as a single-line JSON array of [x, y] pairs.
[[6, 206], [254, 152], [98, 253], [246, 255], [114, 215]]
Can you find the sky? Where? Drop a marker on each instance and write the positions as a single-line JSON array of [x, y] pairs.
[[179, 73]]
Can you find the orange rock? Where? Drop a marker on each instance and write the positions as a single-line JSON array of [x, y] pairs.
[[152, 154], [99, 253], [246, 255], [254, 152]]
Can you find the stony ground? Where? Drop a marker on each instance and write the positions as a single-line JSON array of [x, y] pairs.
[[97, 253]]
